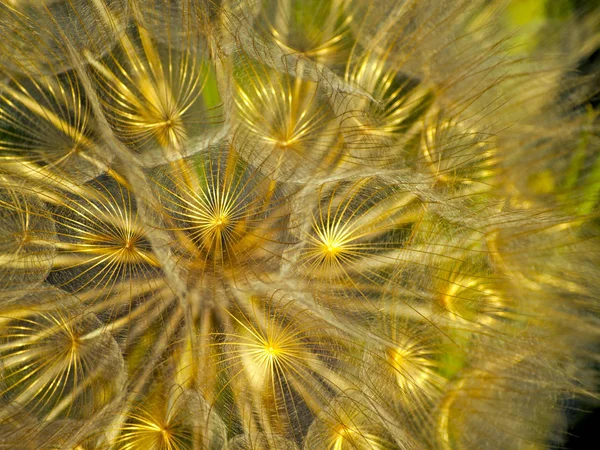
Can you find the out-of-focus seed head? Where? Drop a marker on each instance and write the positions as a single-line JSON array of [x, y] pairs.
[[285, 224]]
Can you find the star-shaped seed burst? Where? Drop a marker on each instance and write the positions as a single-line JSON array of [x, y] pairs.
[[297, 224]]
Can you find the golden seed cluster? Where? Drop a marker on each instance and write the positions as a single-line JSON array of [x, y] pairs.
[[294, 224]]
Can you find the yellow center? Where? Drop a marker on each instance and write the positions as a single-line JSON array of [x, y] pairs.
[[332, 246], [220, 221], [272, 351], [344, 434]]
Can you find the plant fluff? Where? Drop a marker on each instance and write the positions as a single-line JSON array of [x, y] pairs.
[[294, 224]]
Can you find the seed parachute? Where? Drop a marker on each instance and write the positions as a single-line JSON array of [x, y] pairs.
[[297, 224]]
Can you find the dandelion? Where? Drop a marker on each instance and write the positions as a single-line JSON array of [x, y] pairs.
[[284, 224]]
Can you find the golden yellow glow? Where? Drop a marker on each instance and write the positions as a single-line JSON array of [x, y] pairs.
[[222, 210], [290, 123], [52, 364], [146, 432], [100, 238], [333, 246], [145, 98], [411, 364], [345, 438], [349, 227], [410, 369], [315, 29], [295, 224], [351, 438], [213, 223]]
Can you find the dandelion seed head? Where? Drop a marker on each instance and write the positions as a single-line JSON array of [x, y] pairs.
[[286, 224]]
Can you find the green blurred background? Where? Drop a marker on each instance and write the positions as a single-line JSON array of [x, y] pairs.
[[535, 20]]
